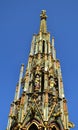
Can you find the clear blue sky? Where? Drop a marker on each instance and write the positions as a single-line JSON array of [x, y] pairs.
[[19, 19]]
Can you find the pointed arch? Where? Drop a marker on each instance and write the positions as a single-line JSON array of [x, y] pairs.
[[33, 126], [56, 126]]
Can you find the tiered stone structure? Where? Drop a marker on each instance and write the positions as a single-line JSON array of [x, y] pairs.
[[42, 104]]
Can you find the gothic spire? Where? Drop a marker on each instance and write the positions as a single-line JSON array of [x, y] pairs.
[[39, 102], [43, 17]]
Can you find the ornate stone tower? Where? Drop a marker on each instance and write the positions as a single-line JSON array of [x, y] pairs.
[[39, 102]]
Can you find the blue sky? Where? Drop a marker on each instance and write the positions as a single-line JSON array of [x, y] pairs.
[[19, 20]]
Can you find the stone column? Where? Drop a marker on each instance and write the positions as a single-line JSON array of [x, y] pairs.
[[26, 82], [16, 93], [65, 114], [50, 60], [45, 81], [45, 46], [53, 49], [46, 106], [40, 35], [32, 46], [9, 123], [36, 50], [48, 36], [40, 46], [49, 48]]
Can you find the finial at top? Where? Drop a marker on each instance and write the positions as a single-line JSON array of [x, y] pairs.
[[43, 14], [43, 26]]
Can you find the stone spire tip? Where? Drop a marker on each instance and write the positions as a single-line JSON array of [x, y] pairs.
[[43, 17]]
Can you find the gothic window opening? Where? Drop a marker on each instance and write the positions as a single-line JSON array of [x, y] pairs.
[[33, 127], [42, 82], [47, 46], [43, 49]]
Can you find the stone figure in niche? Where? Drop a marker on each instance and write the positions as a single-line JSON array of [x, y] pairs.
[[51, 82], [37, 82], [52, 85], [56, 82]]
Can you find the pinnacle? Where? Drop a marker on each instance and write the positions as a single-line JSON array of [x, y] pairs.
[[43, 26]]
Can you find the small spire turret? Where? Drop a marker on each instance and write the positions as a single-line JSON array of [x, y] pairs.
[[53, 41], [53, 49], [20, 78]]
